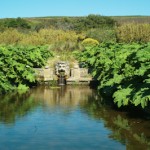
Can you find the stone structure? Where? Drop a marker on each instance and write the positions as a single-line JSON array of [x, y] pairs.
[[62, 68], [74, 75], [45, 74], [79, 75]]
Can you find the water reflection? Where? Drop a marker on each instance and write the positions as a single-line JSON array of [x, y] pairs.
[[15, 105], [132, 131], [65, 96], [84, 106]]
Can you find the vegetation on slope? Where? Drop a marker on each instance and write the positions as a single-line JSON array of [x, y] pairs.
[[123, 71]]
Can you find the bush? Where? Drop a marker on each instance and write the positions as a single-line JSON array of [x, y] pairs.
[[11, 36], [93, 22], [89, 42], [123, 71], [67, 39], [18, 23], [102, 34], [59, 40], [133, 32], [17, 63]]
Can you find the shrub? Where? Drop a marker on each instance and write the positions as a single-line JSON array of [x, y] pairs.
[[133, 32], [122, 70], [102, 34], [58, 39], [10, 36], [17, 63], [16, 23], [89, 42]]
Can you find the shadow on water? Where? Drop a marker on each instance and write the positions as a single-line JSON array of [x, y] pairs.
[[129, 130]]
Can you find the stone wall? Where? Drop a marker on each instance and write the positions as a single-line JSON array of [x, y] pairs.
[[76, 75]]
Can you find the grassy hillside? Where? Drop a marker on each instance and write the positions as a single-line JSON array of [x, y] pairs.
[[56, 31], [77, 23], [118, 19], [129, 19]]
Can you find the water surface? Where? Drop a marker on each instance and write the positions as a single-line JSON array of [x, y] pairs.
[[69, 118]]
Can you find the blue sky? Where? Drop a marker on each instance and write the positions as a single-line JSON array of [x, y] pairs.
[[34, 8]]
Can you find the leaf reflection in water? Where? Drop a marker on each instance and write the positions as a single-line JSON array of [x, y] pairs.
[[76, 102]]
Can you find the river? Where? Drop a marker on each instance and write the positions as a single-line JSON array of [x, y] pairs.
[[68, 118]]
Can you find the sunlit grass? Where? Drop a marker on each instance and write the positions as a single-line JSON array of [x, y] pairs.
[[62, 56]]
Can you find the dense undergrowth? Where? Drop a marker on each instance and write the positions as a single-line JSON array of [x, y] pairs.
[[17, 63], [123, 71]]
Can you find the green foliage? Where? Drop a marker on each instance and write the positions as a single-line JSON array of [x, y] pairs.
[[15, 105], [123, 71], [121, 123], [93, 22], [17, 63], [77, 24], [104, 34], [16, 23]]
